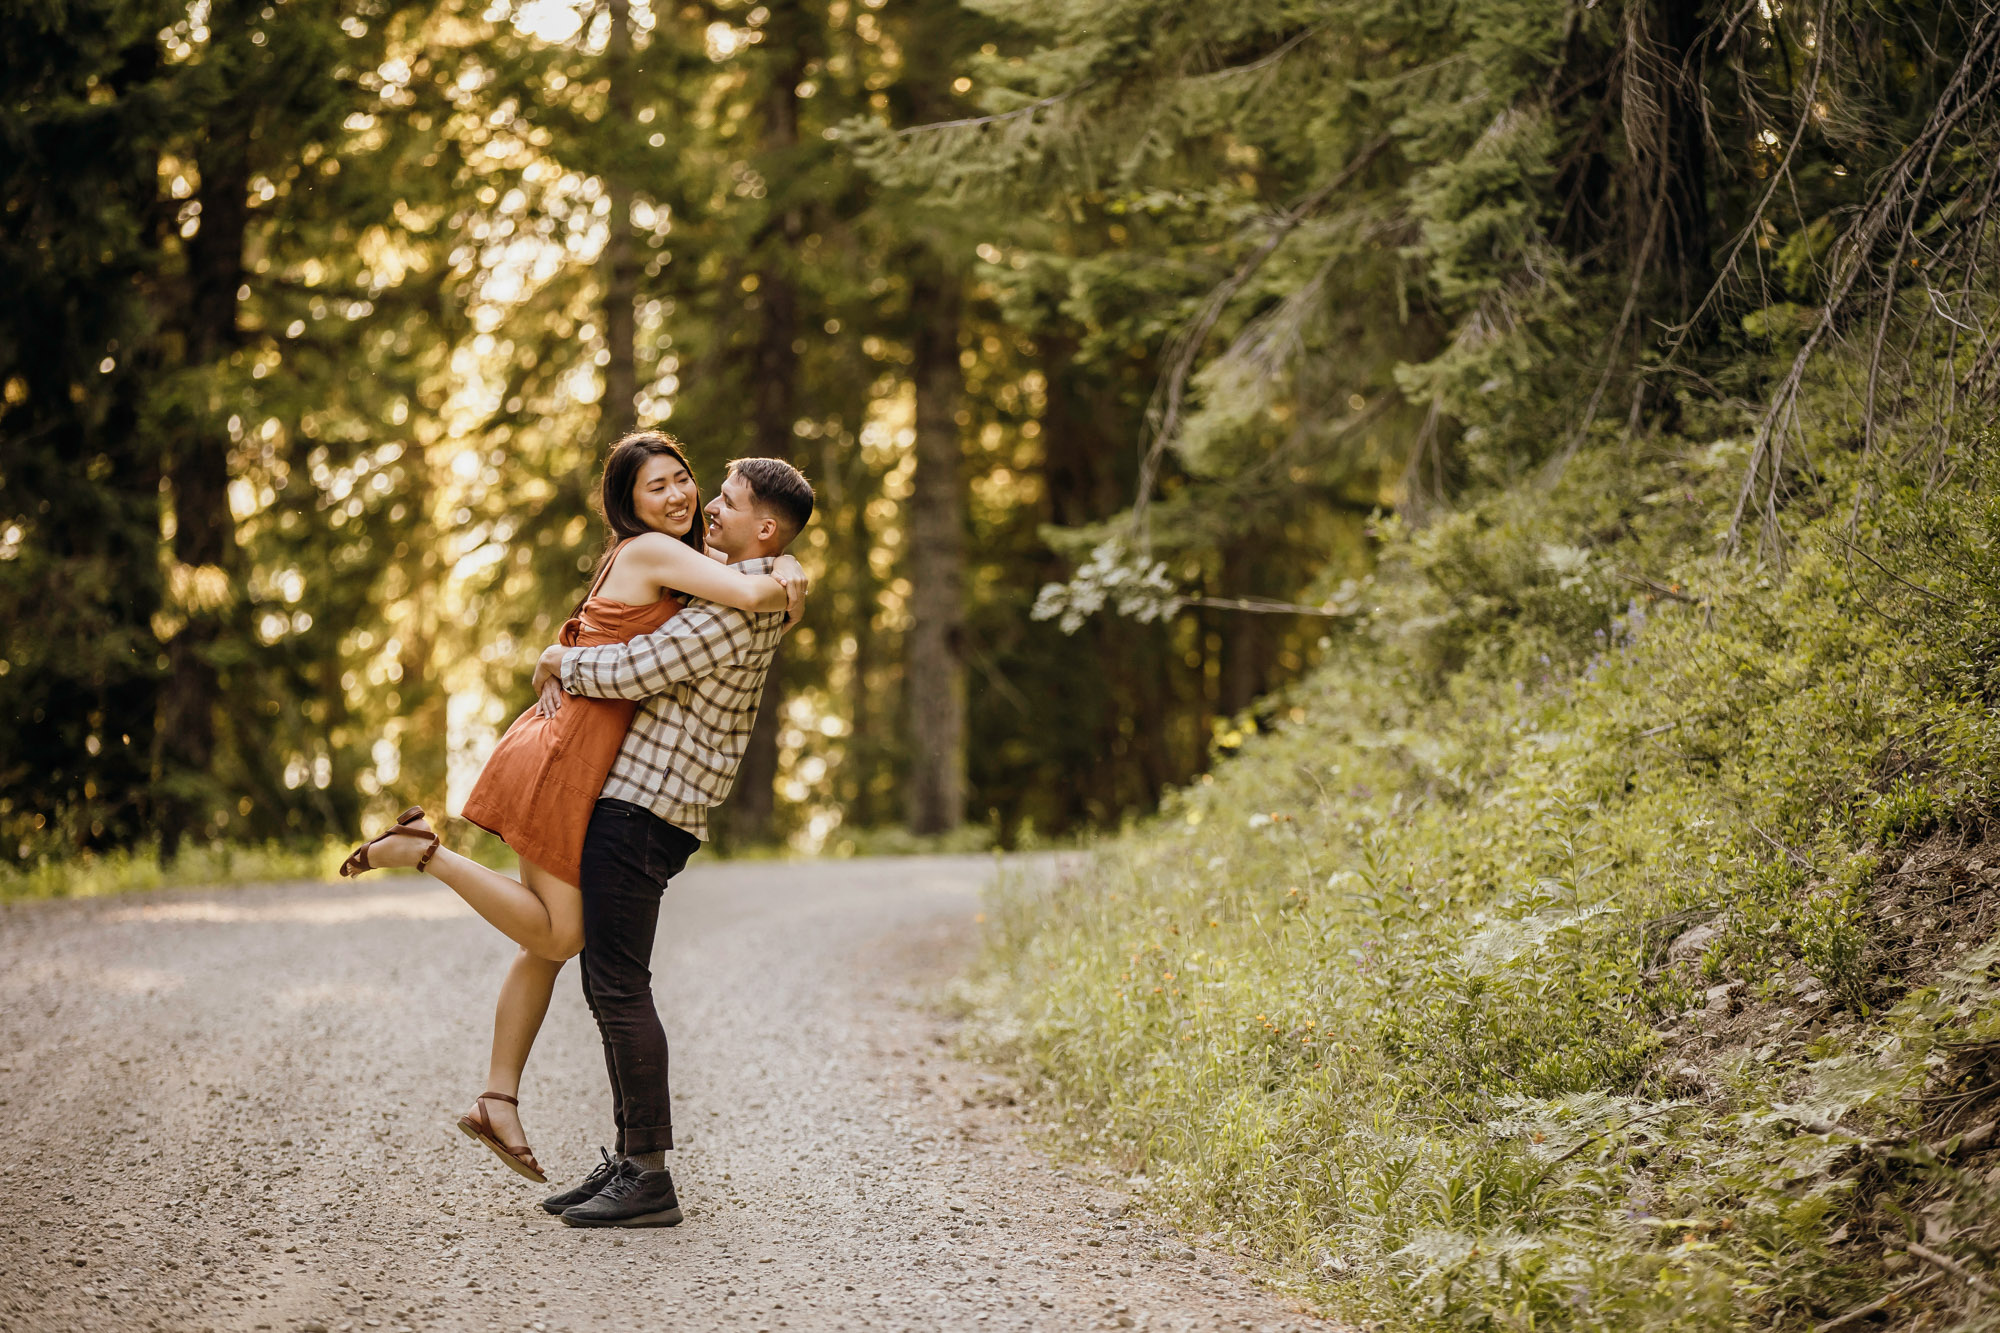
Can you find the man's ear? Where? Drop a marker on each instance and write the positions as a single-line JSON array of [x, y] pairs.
[[767, 528]]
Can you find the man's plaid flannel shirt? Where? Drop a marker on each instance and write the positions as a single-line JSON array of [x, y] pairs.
[[700, 675]]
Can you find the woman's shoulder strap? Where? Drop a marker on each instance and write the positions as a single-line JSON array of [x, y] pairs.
[[604, 571]]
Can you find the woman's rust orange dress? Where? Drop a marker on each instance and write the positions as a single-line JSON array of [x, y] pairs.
[[538, 789]]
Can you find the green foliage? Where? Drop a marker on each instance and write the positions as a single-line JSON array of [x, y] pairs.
[[136, 869], [383, 406], [1392, 998]]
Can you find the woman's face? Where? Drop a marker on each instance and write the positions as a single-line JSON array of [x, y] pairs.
[[664, 495]]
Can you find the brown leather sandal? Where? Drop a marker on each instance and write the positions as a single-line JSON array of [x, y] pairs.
[[357, 861], [477, 1126]]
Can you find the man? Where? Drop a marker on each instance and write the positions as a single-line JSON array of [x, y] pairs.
[[700, 675]]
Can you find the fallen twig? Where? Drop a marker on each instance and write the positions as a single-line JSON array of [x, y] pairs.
[[1952, 1266], [1861, 1312], [1913, 587], [1659, 589], [1793, 856], [1977, 1139]]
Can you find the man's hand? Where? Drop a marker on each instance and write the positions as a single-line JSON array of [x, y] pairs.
[[789, 572], [552, 698]]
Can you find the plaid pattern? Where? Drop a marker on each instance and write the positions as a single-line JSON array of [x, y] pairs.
[[700, 675]]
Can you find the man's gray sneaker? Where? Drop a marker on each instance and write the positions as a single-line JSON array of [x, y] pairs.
[[631, 1198], [592, 1183]]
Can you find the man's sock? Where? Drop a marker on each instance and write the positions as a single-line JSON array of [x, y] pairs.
[[648, 1161]]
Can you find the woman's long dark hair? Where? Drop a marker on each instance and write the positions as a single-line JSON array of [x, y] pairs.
[[621, 516]]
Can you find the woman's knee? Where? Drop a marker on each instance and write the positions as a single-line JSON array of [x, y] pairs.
[[561, 945]]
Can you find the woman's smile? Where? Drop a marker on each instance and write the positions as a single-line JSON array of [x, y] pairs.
[[664, 496]]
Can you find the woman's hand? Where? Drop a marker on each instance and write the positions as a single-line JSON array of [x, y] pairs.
[[548, 680], [789, 572]]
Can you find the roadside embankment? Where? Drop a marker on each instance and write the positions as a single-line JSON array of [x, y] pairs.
[[1601, 938]]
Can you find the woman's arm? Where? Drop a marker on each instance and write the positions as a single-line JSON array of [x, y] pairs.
[[673, 564]]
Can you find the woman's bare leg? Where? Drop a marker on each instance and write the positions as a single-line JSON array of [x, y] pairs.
[[517, 1018], [539, 911]]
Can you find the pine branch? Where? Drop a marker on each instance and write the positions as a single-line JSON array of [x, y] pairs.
[[998, 118], [942, 156], [1165, 419]]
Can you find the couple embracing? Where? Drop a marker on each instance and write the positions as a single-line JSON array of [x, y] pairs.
[[603, 788]]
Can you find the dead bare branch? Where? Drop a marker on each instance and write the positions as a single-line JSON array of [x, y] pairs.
[[1854, 252]]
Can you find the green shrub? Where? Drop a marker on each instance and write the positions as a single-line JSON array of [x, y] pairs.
[[1388, 998]]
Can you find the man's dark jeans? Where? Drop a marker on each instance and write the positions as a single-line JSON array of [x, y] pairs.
[[629, 854]]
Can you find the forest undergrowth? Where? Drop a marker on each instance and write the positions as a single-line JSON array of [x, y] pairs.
[[1602, 938]]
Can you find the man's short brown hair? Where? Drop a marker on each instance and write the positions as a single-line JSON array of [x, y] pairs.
[[781, 489]]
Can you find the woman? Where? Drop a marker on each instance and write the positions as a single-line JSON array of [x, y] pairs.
[[538, 789]]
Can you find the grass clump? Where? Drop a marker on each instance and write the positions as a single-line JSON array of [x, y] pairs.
[[136, 869], [44, 874], [1610, 945]]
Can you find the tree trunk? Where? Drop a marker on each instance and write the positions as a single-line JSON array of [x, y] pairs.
[[773, 408], [866, 751], [1664, 128], [1681, 27], [1246, 639], [773, 403], [618, 266], [934, 670], [204, 543], [934, 526], [1084, 430]]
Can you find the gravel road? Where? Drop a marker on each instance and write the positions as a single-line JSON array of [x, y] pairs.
[[232, 1109]]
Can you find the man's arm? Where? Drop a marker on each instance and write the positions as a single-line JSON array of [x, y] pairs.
[[697, 642]]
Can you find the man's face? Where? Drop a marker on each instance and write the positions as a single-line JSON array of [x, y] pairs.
[[735, 524]]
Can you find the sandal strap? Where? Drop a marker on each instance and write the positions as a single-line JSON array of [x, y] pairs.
[[499, 1097], [358, 860]]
